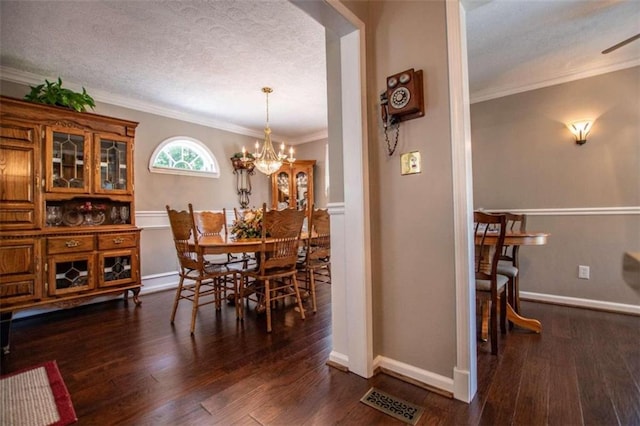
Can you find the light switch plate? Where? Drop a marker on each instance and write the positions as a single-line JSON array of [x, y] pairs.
[[410, 163]]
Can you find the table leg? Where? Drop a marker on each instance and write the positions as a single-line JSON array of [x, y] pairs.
[[526, 323]]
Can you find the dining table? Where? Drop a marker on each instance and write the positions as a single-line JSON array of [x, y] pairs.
[[227, 244], [517, 239]]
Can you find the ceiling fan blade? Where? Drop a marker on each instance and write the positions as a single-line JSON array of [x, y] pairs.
[[619, 45]]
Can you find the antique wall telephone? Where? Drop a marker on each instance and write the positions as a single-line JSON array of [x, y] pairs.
[[401, 101]]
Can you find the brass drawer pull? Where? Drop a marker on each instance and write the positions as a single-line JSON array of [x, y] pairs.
[[118, 240], [72, 243]]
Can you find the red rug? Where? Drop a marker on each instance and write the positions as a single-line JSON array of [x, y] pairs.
[[36, 396]]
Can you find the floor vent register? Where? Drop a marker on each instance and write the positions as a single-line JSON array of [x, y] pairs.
[[395, 407]]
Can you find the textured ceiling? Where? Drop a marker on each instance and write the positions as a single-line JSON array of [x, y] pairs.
[[208, 60], [205, 58]]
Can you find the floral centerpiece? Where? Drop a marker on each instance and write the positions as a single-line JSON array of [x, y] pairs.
[[248, 226]]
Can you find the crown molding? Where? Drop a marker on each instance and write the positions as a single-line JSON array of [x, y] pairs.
[[312, 137], [494, 93], [27, 78]]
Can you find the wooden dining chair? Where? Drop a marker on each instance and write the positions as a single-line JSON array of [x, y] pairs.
[[278, 254], [317, 251], [490, 286], [198, 280], [508, 265], [210, 223]]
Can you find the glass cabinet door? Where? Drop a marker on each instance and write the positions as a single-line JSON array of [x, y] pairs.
[[67, 160], [284, 192], [301, 186], [114, 163], [70, 274], [118, 267]]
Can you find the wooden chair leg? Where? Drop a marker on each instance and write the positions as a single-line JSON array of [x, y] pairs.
[[484, 330], [177, 299], [298, 298], [217, 290], [493, 326], [503, 312], [511, 290], [267, 303], [312, 288], [516, 295], [194, 310], [237, 285]]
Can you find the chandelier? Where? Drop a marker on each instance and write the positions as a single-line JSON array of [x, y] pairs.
[[265, 159]]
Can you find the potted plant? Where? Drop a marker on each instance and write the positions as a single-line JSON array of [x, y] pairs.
[[52, 93]]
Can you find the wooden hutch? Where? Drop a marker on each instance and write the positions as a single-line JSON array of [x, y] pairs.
[[67, 216], [292, 186]]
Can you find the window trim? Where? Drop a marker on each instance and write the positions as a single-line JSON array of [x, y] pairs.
[[193, 144]]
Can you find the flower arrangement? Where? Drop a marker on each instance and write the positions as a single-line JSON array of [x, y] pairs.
[[249, 226]]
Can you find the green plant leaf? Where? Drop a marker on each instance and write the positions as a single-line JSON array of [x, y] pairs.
[[52, 93]]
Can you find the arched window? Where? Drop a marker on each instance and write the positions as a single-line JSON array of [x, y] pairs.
[[182, 155]]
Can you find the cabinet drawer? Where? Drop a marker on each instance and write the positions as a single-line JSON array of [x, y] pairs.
[[115, 241], [70, 244], [19, 291]]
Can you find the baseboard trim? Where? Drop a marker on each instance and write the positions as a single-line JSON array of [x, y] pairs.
[[337, 366], [338, 360], [422, 378], [159, 282], [599, 305], [462, 388]]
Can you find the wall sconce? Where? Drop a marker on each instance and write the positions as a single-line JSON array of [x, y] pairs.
[[580, 130], [243, 168]]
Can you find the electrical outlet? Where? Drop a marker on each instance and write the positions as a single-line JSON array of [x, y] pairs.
[[583, 272]]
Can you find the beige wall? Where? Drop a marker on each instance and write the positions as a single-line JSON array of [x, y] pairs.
[[525, 158], [412, 219]]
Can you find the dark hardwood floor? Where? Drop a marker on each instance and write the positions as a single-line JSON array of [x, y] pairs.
[[128, 365]]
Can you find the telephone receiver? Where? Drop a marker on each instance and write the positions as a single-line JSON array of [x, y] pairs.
[[388, 120], [402, 100]]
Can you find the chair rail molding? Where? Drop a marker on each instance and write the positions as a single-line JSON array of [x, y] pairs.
[[158, 219], [573, 211]]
